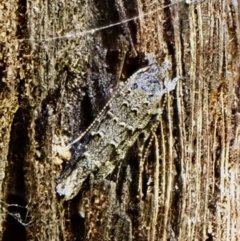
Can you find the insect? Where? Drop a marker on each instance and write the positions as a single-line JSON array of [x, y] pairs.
[[131, 111]]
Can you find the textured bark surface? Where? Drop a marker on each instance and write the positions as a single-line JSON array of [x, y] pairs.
[[60, 62]]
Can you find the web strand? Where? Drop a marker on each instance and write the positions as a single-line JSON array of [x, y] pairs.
[[92, 31]]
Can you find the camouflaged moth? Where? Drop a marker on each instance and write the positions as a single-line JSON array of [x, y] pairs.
[[131, 111]]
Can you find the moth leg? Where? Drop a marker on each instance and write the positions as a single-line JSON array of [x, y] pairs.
[[105, 170]]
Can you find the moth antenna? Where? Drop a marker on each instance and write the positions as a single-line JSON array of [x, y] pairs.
[[99, 116], [143, 157]]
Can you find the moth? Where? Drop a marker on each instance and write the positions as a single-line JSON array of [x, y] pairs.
[[131, 111]]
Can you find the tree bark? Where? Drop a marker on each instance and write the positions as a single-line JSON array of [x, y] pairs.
[[59, 64]]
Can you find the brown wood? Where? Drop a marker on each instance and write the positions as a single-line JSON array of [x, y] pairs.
[[58, 68]]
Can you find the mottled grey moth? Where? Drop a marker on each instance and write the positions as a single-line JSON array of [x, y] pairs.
[[131, 111]]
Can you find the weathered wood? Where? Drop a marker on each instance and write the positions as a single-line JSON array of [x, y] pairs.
[[60, 62]]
